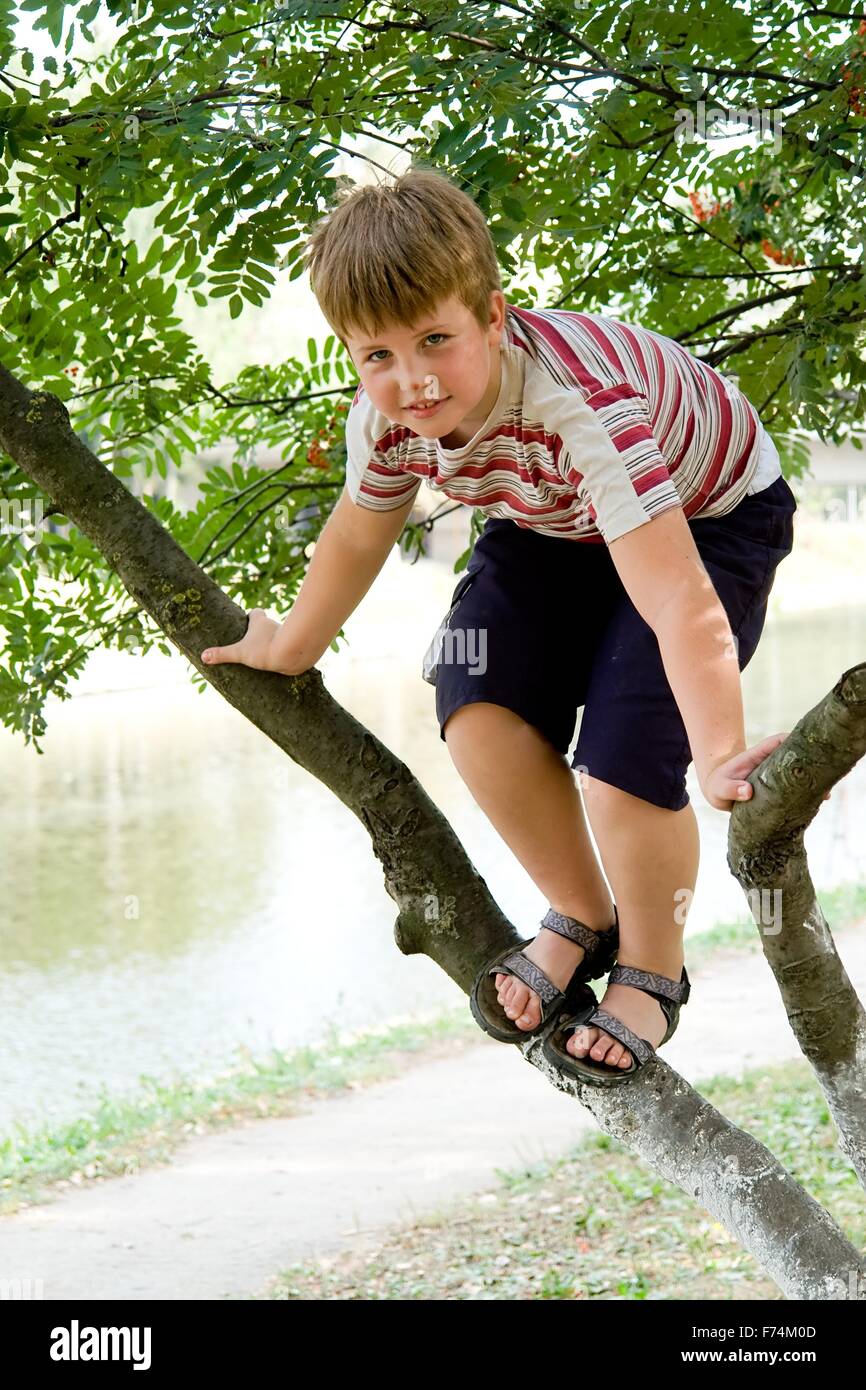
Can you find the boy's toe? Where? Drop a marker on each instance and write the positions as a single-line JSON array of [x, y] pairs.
[[531, 1015], [515, 1001], [600, 1046], [521, 1005], [600, 1049], [581, 1041], [611, 1051]]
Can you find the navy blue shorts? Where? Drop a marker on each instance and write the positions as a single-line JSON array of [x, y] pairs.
[[526, 648]]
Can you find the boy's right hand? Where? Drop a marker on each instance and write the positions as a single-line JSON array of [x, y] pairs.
[[255, 649]]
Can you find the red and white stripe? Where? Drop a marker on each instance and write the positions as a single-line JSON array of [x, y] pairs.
[[599, 427]]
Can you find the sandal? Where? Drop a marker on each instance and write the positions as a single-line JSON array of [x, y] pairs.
[[600, 948], [671, 995]]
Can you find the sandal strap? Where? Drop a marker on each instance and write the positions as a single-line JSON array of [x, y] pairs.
[[570, 927], [652, 983], [638, 1047], [531, 974]]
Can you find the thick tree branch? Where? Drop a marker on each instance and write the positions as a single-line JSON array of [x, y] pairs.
[[766, 851]]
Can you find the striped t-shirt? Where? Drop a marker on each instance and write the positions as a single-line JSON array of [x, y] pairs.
[[597, 428]]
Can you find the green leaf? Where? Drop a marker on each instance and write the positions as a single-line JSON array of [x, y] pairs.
[[214, 192]]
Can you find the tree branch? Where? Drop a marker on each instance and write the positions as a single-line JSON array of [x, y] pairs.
[[60, 222], [735, 310], [765, 848]]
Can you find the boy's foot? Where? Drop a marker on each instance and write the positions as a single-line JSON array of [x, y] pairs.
[[637, 1010], [558, 957]]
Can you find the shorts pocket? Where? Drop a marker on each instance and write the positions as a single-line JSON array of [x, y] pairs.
[[430, 665]]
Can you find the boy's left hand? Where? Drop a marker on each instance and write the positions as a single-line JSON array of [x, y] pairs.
[[724, 783], [254, 647]]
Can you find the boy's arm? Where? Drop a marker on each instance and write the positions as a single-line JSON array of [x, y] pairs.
[[352, 548], [664, 576]]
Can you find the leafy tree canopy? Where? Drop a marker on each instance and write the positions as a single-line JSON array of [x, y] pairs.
[[569, 124]]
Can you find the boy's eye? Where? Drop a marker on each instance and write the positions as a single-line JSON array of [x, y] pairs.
[[373, 357]]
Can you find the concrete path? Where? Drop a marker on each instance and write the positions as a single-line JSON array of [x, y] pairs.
[[232, 1209]]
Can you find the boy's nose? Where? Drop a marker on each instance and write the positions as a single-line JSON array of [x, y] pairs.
[[412, 389]]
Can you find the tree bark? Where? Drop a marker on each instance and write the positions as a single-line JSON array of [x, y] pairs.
[[444, 907], [766, 851]]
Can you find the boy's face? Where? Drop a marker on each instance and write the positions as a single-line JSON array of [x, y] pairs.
[[440, 375]]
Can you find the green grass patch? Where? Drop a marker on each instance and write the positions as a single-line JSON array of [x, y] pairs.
[[122, 1134], [598, 1223], [841, 906]]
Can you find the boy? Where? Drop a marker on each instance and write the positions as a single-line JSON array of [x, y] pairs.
[[637, 513]]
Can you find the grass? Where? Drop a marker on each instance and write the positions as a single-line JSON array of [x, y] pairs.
[[123, 1134], [841, 906], [598, 1223]]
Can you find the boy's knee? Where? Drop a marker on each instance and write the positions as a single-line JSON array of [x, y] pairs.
[[622, 802], [479, 713], [483, 722], [486, 717]]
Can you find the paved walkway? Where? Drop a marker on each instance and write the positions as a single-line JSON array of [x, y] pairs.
[[232, 1209]]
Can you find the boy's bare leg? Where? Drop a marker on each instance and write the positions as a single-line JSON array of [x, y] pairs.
[[650, 855], [529, 793]]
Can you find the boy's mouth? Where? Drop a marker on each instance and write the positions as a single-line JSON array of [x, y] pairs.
[[426, 408]]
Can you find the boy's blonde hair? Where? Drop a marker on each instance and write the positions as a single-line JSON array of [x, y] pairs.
[[387, 253]]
